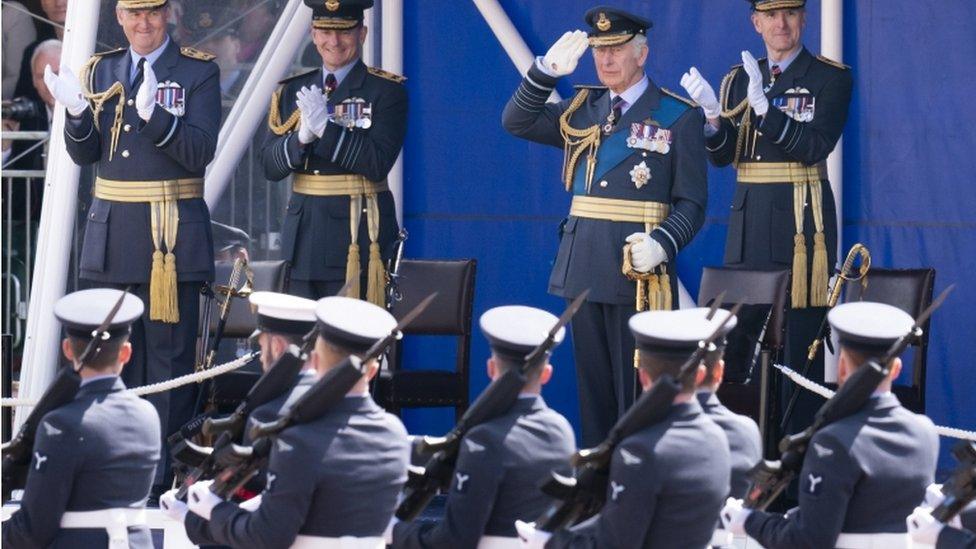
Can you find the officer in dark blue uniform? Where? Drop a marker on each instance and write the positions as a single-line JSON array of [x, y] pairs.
[[94, 458], [148, 118], [339, 129], [502, 461], [334, 477], [638, 178], [668, 481], [865, 473]]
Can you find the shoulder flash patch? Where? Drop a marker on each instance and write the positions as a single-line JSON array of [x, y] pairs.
[[294, 76], [833, 63], [197, 54], [684, 100], [589, 87], [387, 75], [109, 52]]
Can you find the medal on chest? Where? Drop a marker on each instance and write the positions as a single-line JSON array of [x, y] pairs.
[[797, 103], [354, 112], [171, 97], [648, 137], [640, 174]]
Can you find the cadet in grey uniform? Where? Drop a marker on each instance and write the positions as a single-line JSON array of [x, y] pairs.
[[340, 146], [282, 320], [335, 477], [865, 473], [94, 458], [148, 118], [502, 461], [668, 481], [635, 167]]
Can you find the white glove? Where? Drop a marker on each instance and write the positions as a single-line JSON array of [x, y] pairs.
[[201, 500], [252, 504], [146, 96], [757, 97], [701, 92], [645, 252], [66, 88], [172, 507], [530, 537], [314, 118], [734, 516], [388, 533], [562, 57], [922, 526], [933, 495]]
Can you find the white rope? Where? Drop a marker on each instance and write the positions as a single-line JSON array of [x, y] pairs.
[[819, 389], [161, 386]]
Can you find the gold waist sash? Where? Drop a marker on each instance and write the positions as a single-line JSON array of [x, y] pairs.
[[615, 209], [164, 219], [802, 177], [358, 189]]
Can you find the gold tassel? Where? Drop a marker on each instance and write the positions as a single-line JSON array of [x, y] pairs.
[[655, 293], [171, 306], [818, 279], [156, 287], [352, 270], [799, 289], [376, 277], [665, 291]]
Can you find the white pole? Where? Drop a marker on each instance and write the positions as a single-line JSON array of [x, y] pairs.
[[369, 48], [832, 46], [391, 53], [251, 106], [41, 348]]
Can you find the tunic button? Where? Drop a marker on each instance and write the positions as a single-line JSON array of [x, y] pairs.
[[604, 183], [644, 154], [129, 102], [316, 172], [125, 154], [127, 127], [758, 157]]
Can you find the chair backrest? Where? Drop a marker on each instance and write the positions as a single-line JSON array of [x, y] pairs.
[[751, 288], [268, 275], [450, 312]]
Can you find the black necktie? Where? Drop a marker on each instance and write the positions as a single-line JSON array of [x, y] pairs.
[[137, 80], [617, 107], [330, 83]]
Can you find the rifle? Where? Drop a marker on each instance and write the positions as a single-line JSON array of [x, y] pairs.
[[844, 275], [237, 464], [17, 451], [424, 483], [584, 494], [960, 489], [769, 478]]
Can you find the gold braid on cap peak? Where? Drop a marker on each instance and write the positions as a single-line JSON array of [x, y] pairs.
[[334, 23], [611, 40], [770, 5], [141, 4]]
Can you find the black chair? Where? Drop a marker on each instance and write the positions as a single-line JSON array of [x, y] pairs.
[[911, 291], [448, 315], [753, 288]]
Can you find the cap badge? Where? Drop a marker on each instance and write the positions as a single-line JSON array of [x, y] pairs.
[[206, 21], [602, 23], [331, 5]]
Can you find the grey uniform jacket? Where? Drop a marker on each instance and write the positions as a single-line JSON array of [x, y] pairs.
[[98, 452], [496, 481], [337, 476], [315, 234], [745, 445], [667, 486], [118, 243], [861, 475], [591, 250]]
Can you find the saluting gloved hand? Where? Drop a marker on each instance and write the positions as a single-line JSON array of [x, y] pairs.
[[922, 526], [66, 88], [562, 57], [530, 537], [757, 97], [734, 516], [146, 96], [311, 103], [201, 500], [645, 252], [172, 507], [701, 92]]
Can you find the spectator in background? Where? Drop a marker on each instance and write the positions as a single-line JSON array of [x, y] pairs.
[[18, 34], [55, 11], [256, 25], [212, 27]]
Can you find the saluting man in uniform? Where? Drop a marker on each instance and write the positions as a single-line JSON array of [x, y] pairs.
[[339, 130], [862, 474], [502, 461], [634, 165], [667, 481], [776, 120], [336, 477], [282, 320], [147, 117], [93, 458]]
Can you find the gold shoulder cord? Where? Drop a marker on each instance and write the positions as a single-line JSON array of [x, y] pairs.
[[98, 100], [274, 115], [745, 123], [577, 141]]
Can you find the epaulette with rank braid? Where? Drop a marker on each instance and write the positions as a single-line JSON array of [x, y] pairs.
[[193, 53], [387, 75], [597, 87], [833, 63], [684, 100]]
